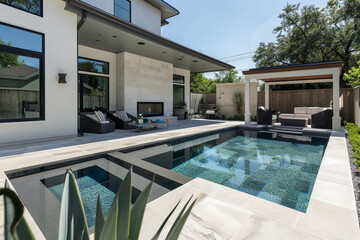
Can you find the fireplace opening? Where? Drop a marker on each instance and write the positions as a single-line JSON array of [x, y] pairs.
[[150, 109]]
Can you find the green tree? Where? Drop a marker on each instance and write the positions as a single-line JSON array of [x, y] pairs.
[[200, 84], [229, 76], [29, 5], [352, 77], [311, 34], [7, 59]]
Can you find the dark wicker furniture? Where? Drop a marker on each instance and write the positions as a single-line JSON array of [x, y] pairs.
[[322, 119], [120, 123], [264, 116], [89, 124]]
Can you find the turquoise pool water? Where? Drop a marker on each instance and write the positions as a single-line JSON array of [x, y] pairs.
[[283, 172]]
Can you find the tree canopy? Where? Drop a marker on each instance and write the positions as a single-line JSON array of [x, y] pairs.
[[200, 84], [353, 76], [7, 59], [310, 34]]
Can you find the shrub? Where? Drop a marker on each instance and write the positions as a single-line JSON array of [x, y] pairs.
[[354, 140]]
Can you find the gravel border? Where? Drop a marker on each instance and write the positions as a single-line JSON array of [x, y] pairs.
[[355, 178]]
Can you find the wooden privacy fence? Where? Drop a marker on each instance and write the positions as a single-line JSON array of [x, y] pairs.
[[285, 101]]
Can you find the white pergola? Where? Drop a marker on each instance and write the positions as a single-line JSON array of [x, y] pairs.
[[297, 74]]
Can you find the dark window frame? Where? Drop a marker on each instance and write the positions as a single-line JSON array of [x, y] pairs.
[[34, 54], [181, 85], [91, 59], [24, 10], [81, 92], [177, 75], [129, 11]]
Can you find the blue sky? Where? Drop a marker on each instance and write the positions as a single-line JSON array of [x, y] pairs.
[[227, 27]]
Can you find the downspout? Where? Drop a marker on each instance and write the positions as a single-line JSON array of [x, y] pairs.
[[82, 20], [79, 25]]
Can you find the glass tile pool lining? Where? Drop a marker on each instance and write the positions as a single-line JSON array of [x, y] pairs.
[[278, 171]]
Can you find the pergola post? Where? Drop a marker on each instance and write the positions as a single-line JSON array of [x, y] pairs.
[[247, 100], [336, 120], [267, 95]]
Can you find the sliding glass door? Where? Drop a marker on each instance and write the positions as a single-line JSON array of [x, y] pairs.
[[93, 92]]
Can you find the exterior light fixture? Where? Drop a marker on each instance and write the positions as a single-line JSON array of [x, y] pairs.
[[97, 40], [62, 78], [195, 61], [141, 43], [114, 36]]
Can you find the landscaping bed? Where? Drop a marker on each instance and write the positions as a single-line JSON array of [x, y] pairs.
[[354, 156]]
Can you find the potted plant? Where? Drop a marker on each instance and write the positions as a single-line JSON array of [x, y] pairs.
[[140, 118]]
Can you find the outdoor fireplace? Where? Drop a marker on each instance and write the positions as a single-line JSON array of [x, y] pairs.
[[150, 109]]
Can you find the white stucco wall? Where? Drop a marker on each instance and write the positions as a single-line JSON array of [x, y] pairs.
[[60, 57], [109, 57], [106, 5], [144, 80], [186, 74], [224, 93], [146, 16]]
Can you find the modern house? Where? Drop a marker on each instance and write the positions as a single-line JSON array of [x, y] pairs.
[[111, 51]]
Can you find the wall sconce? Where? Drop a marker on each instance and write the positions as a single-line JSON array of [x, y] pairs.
[[62, 78]]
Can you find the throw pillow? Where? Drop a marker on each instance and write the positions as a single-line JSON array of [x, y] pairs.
[[100, 116], [122, 114]]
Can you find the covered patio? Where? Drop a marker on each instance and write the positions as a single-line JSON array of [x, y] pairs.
[[297, 74]]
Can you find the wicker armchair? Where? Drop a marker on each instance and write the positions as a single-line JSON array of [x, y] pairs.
[[90, 124], [120, 123], [322, 119], [264, 116]]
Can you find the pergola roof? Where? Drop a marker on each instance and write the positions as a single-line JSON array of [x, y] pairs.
[[314, 72], [285, 68]]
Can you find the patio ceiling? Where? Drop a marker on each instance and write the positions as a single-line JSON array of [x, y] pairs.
[[106, 32]]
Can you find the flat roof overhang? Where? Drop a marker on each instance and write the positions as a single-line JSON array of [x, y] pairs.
[[100, 27], [167, 11]]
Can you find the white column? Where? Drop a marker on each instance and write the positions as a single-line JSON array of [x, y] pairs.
[[267, 95], [336, 120], [247, 100]]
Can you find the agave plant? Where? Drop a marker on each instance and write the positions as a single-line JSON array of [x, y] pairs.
[[123, 221]]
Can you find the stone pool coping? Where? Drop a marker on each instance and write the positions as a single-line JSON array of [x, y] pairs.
[[224, 213]]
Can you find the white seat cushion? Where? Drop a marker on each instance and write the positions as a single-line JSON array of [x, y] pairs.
[[313, 110], [307, 116], [300, 110], [286, 115]]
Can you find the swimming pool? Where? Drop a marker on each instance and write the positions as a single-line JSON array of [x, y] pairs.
[[281, 168]]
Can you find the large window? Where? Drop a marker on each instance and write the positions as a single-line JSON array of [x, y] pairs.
[[21, 75], [31, 6], [93, 84], [178, 91], [122, 9]]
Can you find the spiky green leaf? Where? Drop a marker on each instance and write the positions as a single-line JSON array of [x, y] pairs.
[[137, 213], [72, 215], [156, 236], [179, 224], [124, 202], [109, 231], [99, 220]]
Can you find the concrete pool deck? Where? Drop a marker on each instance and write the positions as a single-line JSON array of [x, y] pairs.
[[221, 212]]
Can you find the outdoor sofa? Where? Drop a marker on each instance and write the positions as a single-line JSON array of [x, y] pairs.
[[89, 123], [318, 117]]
